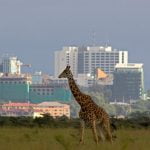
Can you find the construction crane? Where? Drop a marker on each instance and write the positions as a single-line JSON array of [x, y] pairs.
[[26, 65], [19, 67]]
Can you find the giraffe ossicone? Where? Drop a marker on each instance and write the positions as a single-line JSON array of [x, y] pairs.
[[90, 112]]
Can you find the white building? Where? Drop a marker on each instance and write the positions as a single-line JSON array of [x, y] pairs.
[[67, 56], [11, 65], [37, 78], [85, 60]]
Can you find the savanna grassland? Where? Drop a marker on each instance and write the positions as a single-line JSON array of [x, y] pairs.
[[22, 138]]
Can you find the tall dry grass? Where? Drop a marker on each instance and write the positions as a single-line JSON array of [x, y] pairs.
[[68, 139]]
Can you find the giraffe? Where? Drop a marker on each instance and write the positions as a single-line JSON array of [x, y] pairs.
[[90, 112]]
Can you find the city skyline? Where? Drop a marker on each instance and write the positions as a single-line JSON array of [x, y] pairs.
[[38, 28], [84, 60]]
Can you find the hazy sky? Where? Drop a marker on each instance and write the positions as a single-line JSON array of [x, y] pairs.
[[34, 29]]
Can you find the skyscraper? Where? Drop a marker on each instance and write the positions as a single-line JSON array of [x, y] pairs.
[[67, 56], [128, 82], [11, 65], [85, 60]]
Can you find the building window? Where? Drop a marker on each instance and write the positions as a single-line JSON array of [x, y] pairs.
[[122, 57]]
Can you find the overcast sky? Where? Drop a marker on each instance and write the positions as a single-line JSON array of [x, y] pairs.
[[34, 29]]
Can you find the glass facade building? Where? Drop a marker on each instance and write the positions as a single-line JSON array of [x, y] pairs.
[[55, 92], [128, 82], [20, 89]]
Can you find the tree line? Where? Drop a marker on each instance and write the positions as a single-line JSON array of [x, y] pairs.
[[135, 120]]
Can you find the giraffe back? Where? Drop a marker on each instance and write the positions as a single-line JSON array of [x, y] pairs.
[[91, 111]]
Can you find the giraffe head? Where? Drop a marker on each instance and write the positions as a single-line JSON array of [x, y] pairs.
[[66, 73]]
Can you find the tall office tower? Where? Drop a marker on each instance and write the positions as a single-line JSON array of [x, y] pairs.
[[85, 60], [128, 82], [1, 68], [11, 65], [67, 56]]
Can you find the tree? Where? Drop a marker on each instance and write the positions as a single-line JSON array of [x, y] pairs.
[[148, 93]]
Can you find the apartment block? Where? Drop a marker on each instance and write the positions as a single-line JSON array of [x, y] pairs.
[[16, 109]]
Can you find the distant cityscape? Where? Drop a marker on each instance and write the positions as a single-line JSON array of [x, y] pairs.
[[104, 65], [90, 65]]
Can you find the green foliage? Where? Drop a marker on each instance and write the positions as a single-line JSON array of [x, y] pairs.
[[45, 121], [135, 120], [141, 105], [103, 90], [74, 108], [148, 93]]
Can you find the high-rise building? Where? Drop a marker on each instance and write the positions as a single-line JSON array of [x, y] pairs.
[[67, 56], [85, 60], [128, 82], [11, 65], [1, 68]]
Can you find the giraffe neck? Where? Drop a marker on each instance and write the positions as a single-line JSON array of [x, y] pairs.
[[74, 89]]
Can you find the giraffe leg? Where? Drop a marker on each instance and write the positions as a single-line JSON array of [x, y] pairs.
[[108, 132], [100, 132], [94, 131], [82, 127]]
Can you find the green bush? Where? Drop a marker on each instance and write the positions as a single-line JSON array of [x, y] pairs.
[[135, 120]]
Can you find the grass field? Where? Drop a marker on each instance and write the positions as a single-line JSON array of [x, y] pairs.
[[67, 139]]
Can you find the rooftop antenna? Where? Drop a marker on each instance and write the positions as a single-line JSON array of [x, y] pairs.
[[93, 38], [107, 40], [123, 100]]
